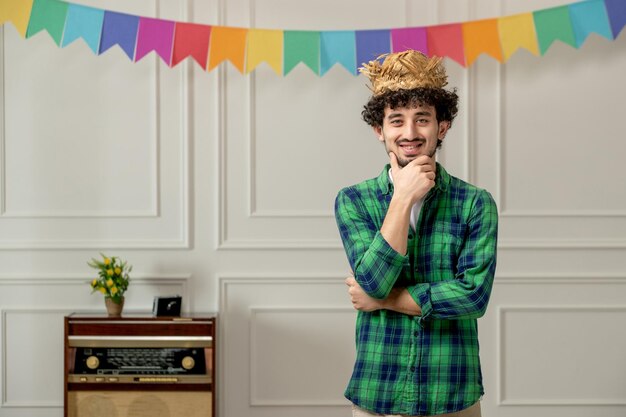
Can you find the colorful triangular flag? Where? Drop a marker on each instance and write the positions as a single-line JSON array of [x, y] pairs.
[[48, 15], [86, 23], [301, 46]]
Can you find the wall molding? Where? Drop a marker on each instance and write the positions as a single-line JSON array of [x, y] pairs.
[[501, 175], [5, 402], [500, 378], [557, 244], [255, 400], [182, 240], [559, 278], [227, 281]]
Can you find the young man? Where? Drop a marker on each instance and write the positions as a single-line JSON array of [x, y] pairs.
[[422, 246]]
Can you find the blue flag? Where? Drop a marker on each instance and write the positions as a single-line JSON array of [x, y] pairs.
[[83, 22], [119, 29], [370, 44], [337, 47]]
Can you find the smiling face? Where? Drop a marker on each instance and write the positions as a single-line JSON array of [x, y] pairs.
[[409, 132]]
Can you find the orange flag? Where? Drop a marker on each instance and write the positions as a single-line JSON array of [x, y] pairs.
[[481, 36], [518, 31], [228, 43], [265, 45], [16, 12]]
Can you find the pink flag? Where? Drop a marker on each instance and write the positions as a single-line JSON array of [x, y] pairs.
[[155, 35], [409, 38]]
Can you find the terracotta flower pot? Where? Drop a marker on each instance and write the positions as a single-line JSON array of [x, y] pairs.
[[114, 309]]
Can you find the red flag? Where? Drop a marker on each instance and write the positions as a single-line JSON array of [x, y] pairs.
[[191, 39], [447, 40]]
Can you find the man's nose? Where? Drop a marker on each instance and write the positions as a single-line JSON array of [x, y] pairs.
[[410, 131]]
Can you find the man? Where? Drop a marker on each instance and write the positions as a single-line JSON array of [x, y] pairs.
[[422, 247]]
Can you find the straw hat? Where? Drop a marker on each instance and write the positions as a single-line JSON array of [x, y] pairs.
[[404, 71]]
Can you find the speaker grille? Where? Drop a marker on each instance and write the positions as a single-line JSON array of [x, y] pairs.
[[139, 404]]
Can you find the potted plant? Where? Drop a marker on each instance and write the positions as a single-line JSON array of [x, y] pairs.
[[112, 281]]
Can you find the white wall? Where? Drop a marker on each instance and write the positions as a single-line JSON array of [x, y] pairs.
[[220, 187]]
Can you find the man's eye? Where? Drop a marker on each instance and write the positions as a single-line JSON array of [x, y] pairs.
[[395, 122]]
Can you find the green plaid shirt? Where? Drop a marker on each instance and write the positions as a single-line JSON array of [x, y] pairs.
[[428, 364]]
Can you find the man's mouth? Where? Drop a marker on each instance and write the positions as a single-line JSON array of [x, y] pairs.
[[411, 148]]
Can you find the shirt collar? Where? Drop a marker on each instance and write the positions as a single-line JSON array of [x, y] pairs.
[[442, 180]]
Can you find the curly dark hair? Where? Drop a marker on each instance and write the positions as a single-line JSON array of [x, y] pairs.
[[445, 103]]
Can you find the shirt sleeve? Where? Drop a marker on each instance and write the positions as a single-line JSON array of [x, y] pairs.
[[466, 296], [375, 264]]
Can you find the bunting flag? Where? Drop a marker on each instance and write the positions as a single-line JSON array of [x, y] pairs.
[[480, 37], [617, 15], [301, 46], [409, 38], [191, 40], [553, 24], [589, 17], [516, 32], [16, 12], [83, 22], [282, 50], [338, 47], [48, 15], [265, 45], [119, 29], [370, 44], [228, 44], [155, 35], [447, 41]]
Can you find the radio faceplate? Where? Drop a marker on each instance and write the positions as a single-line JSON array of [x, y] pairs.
[[113, 361]]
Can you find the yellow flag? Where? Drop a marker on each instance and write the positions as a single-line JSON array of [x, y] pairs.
[[227, 43], [518, 31], [265, 45], [17, 12], [481, 36]]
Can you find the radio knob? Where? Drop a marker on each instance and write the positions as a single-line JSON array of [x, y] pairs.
[[92, 362], [188, 362]]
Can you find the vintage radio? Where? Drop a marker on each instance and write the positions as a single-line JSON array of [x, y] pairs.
[[139, 366]]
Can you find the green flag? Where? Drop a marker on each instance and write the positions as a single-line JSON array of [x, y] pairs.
[[49, 15], [554, 24], [301, 46]]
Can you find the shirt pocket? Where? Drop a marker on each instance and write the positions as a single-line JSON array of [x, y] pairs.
[[446, 242]]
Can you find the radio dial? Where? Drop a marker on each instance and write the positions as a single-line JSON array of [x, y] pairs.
[[92, 362], [188, 362]]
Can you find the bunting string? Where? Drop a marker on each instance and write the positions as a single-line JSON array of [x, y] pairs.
[[283, 50]]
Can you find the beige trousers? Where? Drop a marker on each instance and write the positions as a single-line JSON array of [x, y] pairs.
[[473, 411]]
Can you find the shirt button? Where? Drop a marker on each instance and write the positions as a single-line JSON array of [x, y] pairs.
[[410, 235], [416, 333], [412, 368]]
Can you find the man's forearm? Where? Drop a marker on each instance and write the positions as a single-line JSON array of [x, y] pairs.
[[400, 301], [395, 227]]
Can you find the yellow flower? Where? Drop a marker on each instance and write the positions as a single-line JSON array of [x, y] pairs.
[[118, 271], [114, 290], [94, 282], [109, 283], [103, 290], [107, 261], [109, 272]]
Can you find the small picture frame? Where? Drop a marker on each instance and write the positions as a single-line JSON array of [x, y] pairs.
[[167, 306]]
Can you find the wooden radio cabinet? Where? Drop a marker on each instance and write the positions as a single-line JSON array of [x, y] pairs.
[[139, 366]]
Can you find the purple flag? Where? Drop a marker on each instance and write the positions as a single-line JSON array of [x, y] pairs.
[[155, 35], [617, 15], [119, 29], [409, 38], [370, 44]]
